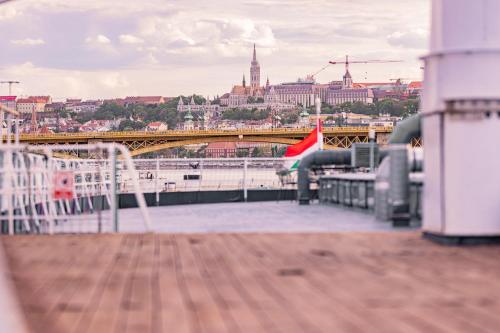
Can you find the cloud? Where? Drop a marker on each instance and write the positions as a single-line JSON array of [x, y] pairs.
[[114, 80], [130, 39], [8, 12], [28, 41], [99, 39], [414, 39], [92, 40], [202, 40]]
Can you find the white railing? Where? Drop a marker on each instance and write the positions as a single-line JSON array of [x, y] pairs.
[[45, 194], [211, 174]]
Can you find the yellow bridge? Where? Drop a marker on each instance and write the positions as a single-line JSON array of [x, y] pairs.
[[147, 142]]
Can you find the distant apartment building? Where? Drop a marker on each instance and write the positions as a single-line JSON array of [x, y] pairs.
[[383, 120], [235, 149], [305, 92], [294, 93], [143, 100], [98, 126], [396, 90], [72, 101], [68, 125], [53, 107], [220, 150], [8, 102], [414, 88], [33, 103], [339, 96], [86, 106], [156, 126]]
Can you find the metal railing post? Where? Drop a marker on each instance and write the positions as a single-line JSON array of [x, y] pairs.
[[245, 189], [17, 131], [157, 175], [139, 195], [51, 211], [2, 118], [9, 128], [7, 188], [114, 194], [201, 176]]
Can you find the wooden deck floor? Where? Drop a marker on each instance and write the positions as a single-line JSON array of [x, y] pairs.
[[353, 282]]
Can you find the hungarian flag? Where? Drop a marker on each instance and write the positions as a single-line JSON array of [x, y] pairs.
[[312, 143]]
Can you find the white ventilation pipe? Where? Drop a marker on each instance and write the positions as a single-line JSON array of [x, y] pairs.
[[461, 120]]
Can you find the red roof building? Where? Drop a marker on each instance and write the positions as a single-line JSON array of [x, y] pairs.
[[8, 102], [221, 150], [156, 126], [33, 103], [415, 85]]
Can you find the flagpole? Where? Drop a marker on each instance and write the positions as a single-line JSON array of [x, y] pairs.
[[318, 134]]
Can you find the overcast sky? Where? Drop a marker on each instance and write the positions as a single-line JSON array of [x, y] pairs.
[[107, 48]]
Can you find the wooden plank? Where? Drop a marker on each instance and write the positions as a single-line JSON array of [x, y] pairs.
[[356, 282], [245, 313], [103, 307], [202, 303], [286, 316], [331, 314], [137, 296], [74, 293], [174, 312]]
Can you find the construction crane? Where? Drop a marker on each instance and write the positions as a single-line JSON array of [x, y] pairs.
[[404, 78], [347, 62], [399, 81], [10, 83], [311, 76]]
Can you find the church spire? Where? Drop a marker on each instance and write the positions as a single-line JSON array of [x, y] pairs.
[[244, 82], [267, 82], [254, 71]]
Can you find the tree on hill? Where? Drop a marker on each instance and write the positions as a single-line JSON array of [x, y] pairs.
[[245, 114], [129, 125], [289, 118]]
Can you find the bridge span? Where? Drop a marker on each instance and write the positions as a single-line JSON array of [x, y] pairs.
[[140, 142]]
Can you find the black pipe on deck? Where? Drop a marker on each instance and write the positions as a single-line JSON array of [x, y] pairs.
[[321, 157], [403, 133], [406, 130]]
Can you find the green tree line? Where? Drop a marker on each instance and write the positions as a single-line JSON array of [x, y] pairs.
[[245, 114], [387, 106], [137, 116]]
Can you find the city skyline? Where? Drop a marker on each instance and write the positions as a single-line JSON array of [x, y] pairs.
[[99, 49]]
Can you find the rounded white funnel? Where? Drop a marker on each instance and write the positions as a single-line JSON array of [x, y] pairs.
[[464, 59]]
